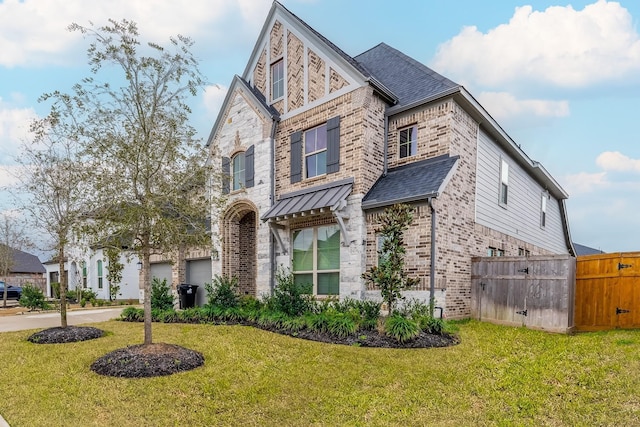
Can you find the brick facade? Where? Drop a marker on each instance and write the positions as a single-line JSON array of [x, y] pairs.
[[319, 87]]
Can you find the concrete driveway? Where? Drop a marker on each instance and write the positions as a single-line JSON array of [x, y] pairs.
[[25, 321]]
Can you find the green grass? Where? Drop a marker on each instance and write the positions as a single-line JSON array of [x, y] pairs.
[[496, 376]]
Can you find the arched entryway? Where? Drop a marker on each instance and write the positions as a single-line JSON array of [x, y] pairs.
[[239, 250]]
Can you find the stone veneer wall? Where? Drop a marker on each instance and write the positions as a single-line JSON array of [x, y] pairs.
[[244, 125]]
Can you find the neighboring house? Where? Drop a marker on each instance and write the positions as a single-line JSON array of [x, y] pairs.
[[88, 270], [586, 250], [26, 269], [316, 143]]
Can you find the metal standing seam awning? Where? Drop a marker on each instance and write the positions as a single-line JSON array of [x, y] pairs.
[[311, 201]]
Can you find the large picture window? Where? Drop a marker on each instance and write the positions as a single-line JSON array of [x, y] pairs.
[[238, 165], [277, 80], [315, 151], [316, 259], [408, 141]]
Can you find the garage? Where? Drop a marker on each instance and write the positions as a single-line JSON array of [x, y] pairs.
[[199, 273], [162, 271]]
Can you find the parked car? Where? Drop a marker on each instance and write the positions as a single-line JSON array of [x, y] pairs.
[[13, 292]]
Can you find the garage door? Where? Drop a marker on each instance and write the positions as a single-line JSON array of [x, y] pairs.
[[199, 273], [161, 271]]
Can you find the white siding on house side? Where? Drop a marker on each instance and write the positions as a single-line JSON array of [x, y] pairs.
[[521, 216]]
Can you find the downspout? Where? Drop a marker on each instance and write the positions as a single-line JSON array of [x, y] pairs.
[[386, 143], [432, 267], [272, 252]]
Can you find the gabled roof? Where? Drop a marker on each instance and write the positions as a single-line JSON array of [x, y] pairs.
[[24, 262], [411, 182], [409, 80], [257, 97]]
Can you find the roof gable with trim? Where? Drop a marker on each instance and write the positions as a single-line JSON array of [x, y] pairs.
[[314, 70]]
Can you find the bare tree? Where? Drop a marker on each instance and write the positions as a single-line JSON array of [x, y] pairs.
[[12, 238], [147, 169], [54, 182]]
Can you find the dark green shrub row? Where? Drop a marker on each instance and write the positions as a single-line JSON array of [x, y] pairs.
[[292, 309]]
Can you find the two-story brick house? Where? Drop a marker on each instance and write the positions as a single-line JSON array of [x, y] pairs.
[[315, 144]]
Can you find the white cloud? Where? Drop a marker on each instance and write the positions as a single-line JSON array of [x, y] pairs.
[[14, 128], [213, 98], [35, 31], [503, 105], [560, 45], [584, 182], [616, 161]]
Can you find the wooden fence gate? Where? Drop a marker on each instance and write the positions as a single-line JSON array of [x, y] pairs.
[[536, 292], [607, 291]]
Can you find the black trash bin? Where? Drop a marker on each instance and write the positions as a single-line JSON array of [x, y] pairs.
[[187, 295]]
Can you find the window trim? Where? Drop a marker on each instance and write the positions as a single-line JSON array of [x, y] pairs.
[[412, 143], [278, 64], [543, 209], [314, 272], [233, 174], [305, 169], [503, 185], [99, 271]]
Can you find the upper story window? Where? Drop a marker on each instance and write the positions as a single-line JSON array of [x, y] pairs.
[[277, 80], [99, 268], [408, 141], [315, 151], [238, 173], [543, 209], [504, 182], [84, 274]]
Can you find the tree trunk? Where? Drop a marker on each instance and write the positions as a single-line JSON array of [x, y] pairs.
[[63, 287], [146, 272]]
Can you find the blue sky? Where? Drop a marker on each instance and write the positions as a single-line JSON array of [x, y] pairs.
[[561, 77]]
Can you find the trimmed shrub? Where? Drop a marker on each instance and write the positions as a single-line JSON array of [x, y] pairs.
[[33, 298], [223, 292], [289, 297], [161, 297]]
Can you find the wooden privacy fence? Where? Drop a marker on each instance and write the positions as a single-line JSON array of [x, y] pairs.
[[607, 291], [537, 292]]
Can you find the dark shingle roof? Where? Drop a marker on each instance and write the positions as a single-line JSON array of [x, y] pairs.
[[26, 263], [407, 78], [585, 250], [411, 182]]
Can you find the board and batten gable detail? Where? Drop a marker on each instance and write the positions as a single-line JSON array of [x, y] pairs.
[[314, 72], [520, 216]]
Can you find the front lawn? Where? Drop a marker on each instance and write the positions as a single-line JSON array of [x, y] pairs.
[[495, 376]]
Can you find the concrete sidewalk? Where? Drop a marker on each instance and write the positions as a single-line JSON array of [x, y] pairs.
[[25, 321]]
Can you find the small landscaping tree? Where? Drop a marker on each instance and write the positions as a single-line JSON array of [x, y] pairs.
[[114, 271], [389, 275]]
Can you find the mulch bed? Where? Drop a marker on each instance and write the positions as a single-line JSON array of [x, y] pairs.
[[376, 339], [61, 335], [151, 360]]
